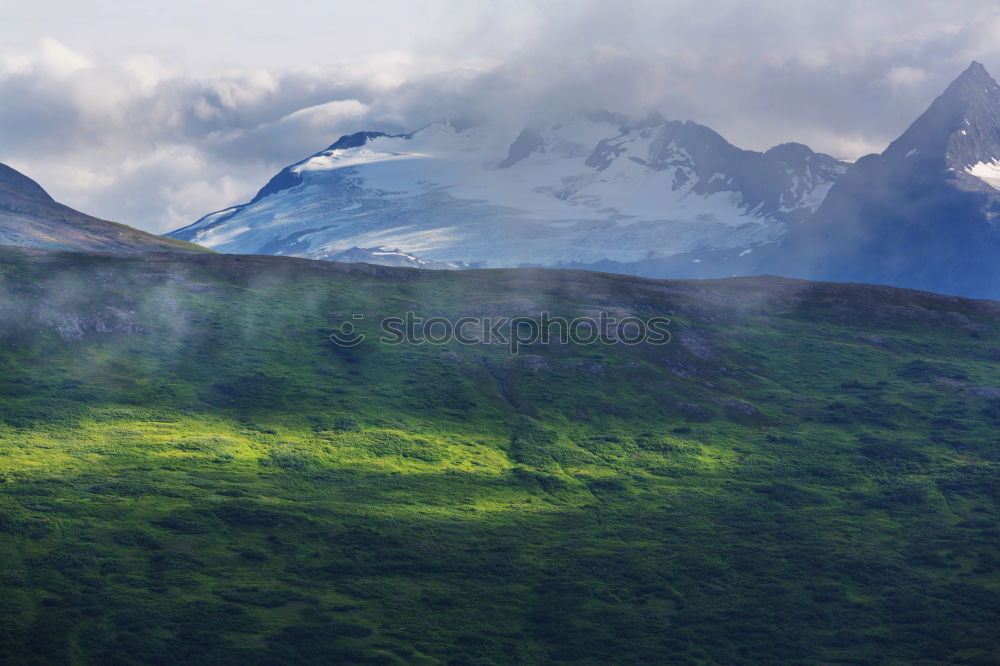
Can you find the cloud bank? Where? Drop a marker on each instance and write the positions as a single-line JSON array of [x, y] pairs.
[[148, 139]]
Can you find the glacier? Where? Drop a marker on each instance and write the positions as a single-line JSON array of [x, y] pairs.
[[588, 188]]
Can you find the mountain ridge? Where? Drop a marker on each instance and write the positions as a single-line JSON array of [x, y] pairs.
[[921, 214], [30, 217]]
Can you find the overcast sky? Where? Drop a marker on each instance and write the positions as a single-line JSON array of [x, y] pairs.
[[156, 113]]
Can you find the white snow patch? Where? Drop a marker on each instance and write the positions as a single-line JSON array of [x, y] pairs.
[[988, 172], [338, 159]]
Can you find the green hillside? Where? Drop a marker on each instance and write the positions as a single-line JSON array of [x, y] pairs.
[[191, 472]]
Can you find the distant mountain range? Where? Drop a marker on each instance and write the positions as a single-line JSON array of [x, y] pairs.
[[591, 188], [651, 197]]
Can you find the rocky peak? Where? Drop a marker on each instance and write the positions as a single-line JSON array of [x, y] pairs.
[[961, 128]]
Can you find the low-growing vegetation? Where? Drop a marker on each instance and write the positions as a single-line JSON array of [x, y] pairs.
[[217, 483]]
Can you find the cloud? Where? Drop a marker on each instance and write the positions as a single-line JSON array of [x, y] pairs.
[[51, 59], [905, 77], [144, 138]]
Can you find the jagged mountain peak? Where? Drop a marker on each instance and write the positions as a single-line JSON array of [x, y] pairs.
[[923, 213], [974, 82], [960, 129]]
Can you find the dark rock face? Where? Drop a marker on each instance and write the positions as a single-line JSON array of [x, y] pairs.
[[355, 140], [527, 142], [916, 215], [285, 179]]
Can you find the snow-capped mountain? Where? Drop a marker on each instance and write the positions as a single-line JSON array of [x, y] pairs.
[[922, 214], [591, 188]]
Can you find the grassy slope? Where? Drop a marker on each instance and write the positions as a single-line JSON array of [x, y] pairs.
[[65, 229], [29, 217], [192, 473]]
